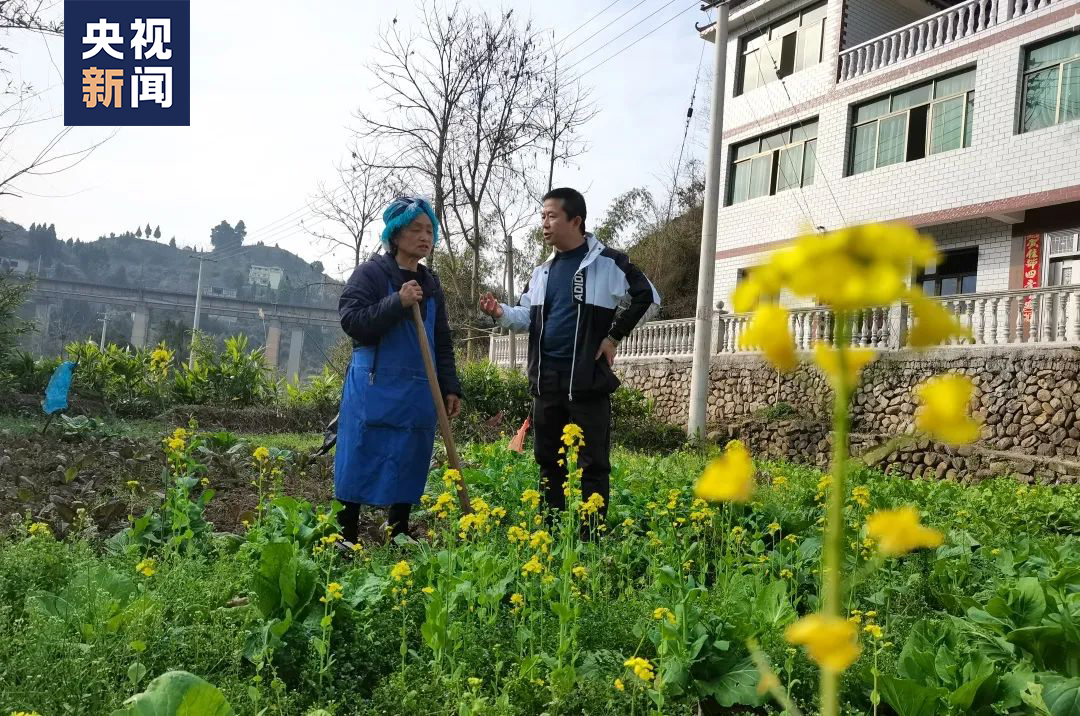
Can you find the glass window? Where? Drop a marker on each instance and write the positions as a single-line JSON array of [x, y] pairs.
[[791, 44], [747, 150], [1040, 99], [968, 116], [776, 140], [930, 117], [809, 162], [740, 183], [891, 140], [1053, 52], [956, 274], [955, 84], [1070, 91], [760, 175], [872, 110], [864, 148], [789, 170], [1051, 84], [947, 124], [911, 97], [773, 163]]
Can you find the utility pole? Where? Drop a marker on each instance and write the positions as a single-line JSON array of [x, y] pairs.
[[198, 308], [510, 295], [699, 376]]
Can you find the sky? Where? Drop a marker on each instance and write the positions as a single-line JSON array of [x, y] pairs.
[[274, 89]]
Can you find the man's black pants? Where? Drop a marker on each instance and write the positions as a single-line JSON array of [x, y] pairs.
[[552, 410]]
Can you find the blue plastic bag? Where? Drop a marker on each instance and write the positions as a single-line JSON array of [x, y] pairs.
[[56, 393]]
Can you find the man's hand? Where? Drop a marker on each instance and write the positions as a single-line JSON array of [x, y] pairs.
[[607, 349], [410, 294], [490, 306], [453, 405]]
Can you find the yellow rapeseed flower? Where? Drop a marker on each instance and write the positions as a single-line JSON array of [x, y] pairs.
[[933, 324], [773, 527], [428, 590], [540, 540], [579, 572], [572, 435], [619, 685], [261, 454], [40, 529], [663, 613], [533, 566], [873, 630], [861, 495], [400, 571], [641, 668], [899, 531], [855, 359], [730, 478], [832, 642], [944, 413], [768, 330], [786, 574], [146, 567], [531, 498], [333, 591], [779, 481], [865, 266], [517, 599]]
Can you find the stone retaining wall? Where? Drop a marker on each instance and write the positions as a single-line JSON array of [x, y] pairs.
[[1026, 399]]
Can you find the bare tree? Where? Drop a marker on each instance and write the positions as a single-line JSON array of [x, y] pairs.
[[17, 100], [566, 107], [421, 78], [498, 117], [353, 205]]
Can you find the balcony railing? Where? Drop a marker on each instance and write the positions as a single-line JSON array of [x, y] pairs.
[[1010, 319], [956, 23]]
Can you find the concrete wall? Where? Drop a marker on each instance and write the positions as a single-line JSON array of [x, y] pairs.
[[1023, 396]]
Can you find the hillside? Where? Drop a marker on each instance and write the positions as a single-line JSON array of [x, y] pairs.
[[127, 260]]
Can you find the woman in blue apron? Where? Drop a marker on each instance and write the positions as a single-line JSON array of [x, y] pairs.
[[386, 427]]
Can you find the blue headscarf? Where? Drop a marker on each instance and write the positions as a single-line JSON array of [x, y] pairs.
[[401, 213]]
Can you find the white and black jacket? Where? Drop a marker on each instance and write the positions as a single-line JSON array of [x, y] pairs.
[[611, 295]]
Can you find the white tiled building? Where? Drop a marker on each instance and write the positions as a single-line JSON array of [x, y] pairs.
[[960, 117]]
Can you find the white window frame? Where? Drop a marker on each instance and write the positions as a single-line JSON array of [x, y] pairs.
[[774, 164], [1060, 81], [967, 95], [744, 42]]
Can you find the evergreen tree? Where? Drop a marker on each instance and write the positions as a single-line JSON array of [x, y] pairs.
[[138, 233], [157, 232]]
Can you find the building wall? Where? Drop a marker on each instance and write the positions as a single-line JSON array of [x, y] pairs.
[[1001, 171]]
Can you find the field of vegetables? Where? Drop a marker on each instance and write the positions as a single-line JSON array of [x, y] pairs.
[[681, 607]]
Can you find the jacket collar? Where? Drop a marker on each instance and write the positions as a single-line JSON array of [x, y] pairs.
[[389, 266], [595, 249]]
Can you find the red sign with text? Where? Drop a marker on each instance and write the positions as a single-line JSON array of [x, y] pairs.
[[1032, 265]]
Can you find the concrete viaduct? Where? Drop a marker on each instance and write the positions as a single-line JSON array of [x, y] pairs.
[[48, 291]]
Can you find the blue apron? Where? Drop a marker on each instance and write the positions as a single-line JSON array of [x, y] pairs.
[[386, 428]]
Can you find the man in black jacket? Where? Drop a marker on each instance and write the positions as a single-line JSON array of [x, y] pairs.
[[577, 307]]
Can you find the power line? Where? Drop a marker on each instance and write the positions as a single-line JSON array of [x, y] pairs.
[[620, 17], [572, 32], [686, 132], [627, 30]]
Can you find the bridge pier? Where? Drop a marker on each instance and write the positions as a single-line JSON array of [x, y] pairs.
[[273, 342], [42, 314], [296, 347], [140, 326]]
